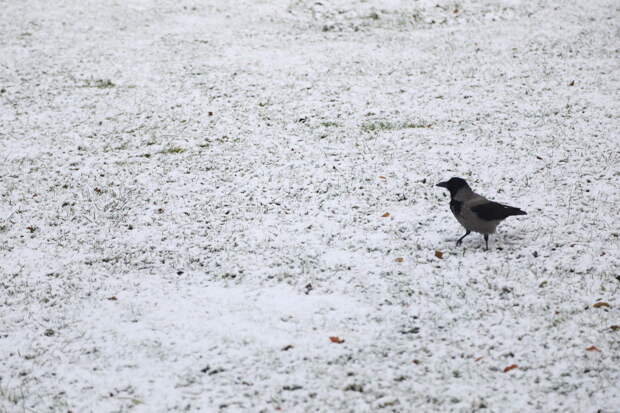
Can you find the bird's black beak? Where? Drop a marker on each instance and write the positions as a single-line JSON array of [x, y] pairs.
[[442, 184]]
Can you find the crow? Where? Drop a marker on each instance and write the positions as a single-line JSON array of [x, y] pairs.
[[475, 212]]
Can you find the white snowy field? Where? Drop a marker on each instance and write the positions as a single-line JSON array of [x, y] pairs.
[[194, 198]]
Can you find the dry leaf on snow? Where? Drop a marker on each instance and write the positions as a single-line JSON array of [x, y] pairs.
[[601, 304], [511, 367]]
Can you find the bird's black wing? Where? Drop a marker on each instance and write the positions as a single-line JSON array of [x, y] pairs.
[[491, 211]]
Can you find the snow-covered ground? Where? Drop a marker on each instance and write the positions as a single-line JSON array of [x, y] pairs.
[[193, 200]]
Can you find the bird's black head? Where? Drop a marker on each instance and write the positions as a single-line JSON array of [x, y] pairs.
[[453, 185]]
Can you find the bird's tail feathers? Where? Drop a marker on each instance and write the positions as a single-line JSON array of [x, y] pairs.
[[515, 211]]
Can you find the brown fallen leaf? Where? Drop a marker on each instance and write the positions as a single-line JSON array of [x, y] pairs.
[[511, 367], [399, 259], [592, 348], [381, 177], [113, 298], [615, 327], [387, 214], [439, 254], [337, 340], [601, 304], [478, 358]]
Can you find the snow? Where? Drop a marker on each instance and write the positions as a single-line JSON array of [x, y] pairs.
[[192, 199]]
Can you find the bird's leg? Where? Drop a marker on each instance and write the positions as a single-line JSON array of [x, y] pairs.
[[486, 240], [460, 240]]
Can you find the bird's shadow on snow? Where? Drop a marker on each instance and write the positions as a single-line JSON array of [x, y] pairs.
[[514, 241]]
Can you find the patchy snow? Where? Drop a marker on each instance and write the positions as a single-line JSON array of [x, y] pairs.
[[192, 201]]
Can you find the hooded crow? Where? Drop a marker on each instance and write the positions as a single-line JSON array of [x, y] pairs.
[[475, 212]]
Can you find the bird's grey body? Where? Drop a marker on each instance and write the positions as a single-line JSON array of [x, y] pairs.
[[462, 210], [474, 212]]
